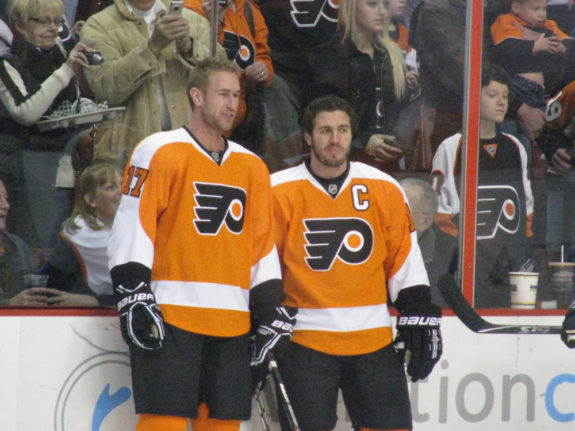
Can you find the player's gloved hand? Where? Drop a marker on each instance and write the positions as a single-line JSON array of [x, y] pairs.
[[274, 332], [141, 320], [568, 329], [418, 338]]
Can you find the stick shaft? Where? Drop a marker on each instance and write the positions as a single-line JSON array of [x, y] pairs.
[[283, 395]]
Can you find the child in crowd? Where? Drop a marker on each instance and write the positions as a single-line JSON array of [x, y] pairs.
[[397, 29], [400, 34], [504, 197], [533, 50], [79, 263]]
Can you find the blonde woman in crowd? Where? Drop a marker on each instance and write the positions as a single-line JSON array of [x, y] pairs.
[[363, 65], [78, 267]]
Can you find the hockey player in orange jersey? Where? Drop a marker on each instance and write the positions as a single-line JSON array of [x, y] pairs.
[[349, 249], [194, 265]]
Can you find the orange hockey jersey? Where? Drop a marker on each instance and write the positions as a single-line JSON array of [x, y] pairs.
[[511, 26], [344, 257], [205, 230]]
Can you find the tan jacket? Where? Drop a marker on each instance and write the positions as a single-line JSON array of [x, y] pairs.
[[127, 77]]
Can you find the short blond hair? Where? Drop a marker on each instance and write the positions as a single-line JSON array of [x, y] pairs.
[[20, 11], [200, 75]]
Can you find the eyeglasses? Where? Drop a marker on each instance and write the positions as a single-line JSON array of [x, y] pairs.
[[47, 21]]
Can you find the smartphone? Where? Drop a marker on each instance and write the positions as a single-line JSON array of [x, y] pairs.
[[176, 7]]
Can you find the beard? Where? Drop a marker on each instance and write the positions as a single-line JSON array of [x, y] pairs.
[[328, 160]]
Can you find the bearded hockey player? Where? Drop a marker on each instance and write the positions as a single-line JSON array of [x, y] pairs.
[[348, 248]]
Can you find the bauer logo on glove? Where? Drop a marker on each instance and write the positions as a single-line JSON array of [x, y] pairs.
[[134, 298], [419, 320]]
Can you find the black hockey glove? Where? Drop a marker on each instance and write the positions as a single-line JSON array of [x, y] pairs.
[[141, 320], [568, 329], [418, 339], [274, 332]]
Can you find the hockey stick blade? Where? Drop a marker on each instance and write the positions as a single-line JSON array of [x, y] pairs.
[[469, 317], [275, 372]]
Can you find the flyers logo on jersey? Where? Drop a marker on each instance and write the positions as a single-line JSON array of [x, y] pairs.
[[307, 13], [347, 239], [498, 208], [239, 49], [216, 205]]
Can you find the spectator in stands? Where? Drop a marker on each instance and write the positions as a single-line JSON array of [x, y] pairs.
[[557, 141], [243, 33], [505, 199], [148, 55], [79, 263], [397, 29], [6, 35], [422, 199], [295, 31], [37, 79], [438, 35], [363, 65], [438, 30], [400, 35], [533, 50], [423, 203], [15, 261]]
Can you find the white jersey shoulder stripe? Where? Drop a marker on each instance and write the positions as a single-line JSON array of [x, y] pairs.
[[362, 170], [296, 173], [146, 149], [149, 146]]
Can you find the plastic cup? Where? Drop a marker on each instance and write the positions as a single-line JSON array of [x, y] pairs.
[[35, 280], [523, 289], [561, 276]]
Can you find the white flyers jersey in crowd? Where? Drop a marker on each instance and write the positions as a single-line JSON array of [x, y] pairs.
[[344, 257], [89, 246], [203, 227], [505, 200]]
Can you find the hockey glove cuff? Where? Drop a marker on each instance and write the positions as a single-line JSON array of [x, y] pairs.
[[141, 320], [418, 339], [568, 329]]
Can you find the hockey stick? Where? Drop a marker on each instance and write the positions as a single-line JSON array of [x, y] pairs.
[[262, 409], [275, 372], [457, 302]]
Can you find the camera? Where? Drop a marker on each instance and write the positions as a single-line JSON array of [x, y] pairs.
[[176, 7], [94, 57]]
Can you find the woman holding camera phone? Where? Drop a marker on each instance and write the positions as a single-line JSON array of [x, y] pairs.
[[37, 78]]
